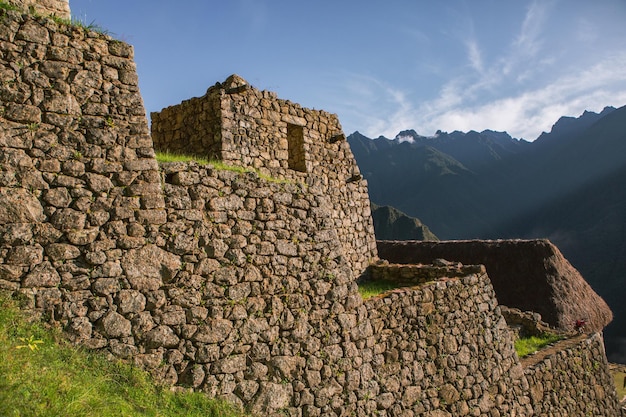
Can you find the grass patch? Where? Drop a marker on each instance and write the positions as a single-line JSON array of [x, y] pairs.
[[91, 27], [40, 375], [7, 6], [371, 289], [529, 345], [166, 156]]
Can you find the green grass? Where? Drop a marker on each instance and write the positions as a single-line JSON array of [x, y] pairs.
[[166, 156], [42, 376], [529, 345], [373, 288], [7, 6]]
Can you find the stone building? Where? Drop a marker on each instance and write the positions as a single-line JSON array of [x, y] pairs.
[[240, 125]]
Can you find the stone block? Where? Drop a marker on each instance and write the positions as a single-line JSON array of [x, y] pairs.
[[161, 336], [62, 252], [114, 325], [19, 206]]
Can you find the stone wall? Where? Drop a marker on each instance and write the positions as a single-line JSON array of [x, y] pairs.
[[242, 126], [531, 275], [230, 283], [443, 348], [59, 8], [76, 157], [572, 379]]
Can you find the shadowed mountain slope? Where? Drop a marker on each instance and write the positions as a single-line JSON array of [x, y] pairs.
[[567, 186], [390, 223]]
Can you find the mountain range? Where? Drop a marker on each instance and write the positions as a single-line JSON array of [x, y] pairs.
[[569, 185]]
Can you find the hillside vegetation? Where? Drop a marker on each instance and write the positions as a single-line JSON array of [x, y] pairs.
[[41, 376]]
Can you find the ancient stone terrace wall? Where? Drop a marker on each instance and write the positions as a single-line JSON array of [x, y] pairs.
[[59, 8], [443, 348], [243, 126], [531, 275], [76, 157], [573, 380]]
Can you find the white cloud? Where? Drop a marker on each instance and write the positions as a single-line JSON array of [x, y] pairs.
[[529, 113], [523, 90], [528, 41], [474, 56], [523, 114]]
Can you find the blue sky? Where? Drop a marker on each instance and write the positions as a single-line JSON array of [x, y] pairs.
[[384, 66]]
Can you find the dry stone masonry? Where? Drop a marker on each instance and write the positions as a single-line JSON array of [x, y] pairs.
[[236, 284], [530, 275], [240, 125], [565, 381], [58, 8]]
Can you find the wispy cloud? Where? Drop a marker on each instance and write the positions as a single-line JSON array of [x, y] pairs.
[[528, 41], [585, 31], [524, 114], [527, 45], [474, 56], [528, 113], [523, 90]]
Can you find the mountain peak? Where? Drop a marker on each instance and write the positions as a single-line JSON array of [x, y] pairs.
[[407, 135], [567, 126]]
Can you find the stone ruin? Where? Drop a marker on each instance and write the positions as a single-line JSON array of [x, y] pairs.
[[242, 126], [240, 285]]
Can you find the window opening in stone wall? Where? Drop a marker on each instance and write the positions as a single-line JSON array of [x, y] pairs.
[[295, 144]]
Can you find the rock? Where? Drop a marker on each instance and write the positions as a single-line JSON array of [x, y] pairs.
[[67, 219], [115, 326], [43, 275], [161, 336], [193, 376], [106, 286], [19, 206], [98, 183], [62, 252], [15, 234], [216, 330], [271, 397], [58, 197], [80, 329], [449, 394], [147, 267], [229, 365], [10, 272], [286, 367], [25, 255], [131, 301], [82, 237]]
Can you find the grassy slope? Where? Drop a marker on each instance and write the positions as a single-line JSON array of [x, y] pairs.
[[40, 375], [528, 345]]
